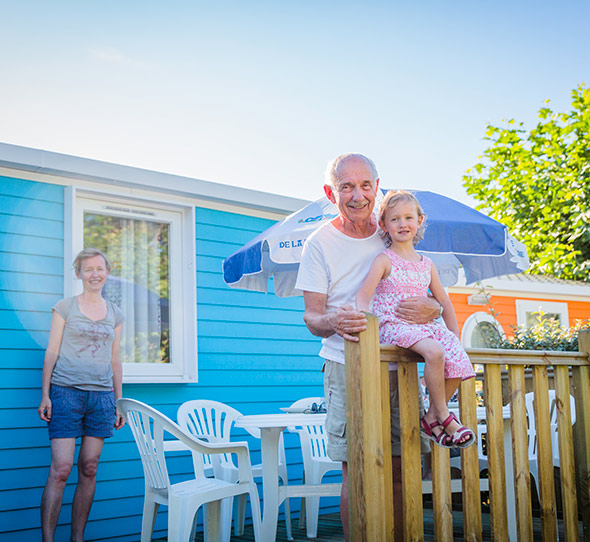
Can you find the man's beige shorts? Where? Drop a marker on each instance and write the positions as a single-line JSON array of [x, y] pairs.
[[335, 394]]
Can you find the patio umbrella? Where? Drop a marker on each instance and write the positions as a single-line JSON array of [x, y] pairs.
[[456, 236]]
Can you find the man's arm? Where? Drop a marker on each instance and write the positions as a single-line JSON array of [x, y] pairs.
[[343, 321]]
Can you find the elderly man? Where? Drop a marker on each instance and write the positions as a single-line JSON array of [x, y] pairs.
[[335, 261]]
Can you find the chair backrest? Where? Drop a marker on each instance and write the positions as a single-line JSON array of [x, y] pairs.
[[208, 420], [532, 432], [148, 427], [313, 438]]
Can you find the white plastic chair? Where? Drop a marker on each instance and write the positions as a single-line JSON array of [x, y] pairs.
[[532, 436], [316, 462], [455, 461], [184, 498], [213, 421], [532, 432]]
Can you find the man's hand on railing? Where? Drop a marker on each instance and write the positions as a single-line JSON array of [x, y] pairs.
[[346, 320]]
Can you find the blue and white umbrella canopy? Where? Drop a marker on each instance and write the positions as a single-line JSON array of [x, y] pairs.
[[456, 236]]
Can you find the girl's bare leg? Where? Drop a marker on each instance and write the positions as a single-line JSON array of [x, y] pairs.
[[439, 389]]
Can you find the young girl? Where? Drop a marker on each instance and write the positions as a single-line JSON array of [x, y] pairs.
[[400, 272]]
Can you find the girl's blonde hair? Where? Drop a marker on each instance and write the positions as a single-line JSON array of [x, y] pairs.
[[89, 253], [391, 199]]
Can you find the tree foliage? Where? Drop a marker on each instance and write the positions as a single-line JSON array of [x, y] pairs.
[[537, 183]]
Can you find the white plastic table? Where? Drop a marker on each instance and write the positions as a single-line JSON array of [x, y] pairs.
[[271, 426]]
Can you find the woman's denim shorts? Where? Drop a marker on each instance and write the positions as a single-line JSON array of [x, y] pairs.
[[78, 413]]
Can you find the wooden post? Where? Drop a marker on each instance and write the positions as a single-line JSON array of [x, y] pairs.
[[495, 442], [520, 453], [470, 466], [544, 453], [581, 381], [366, 465]]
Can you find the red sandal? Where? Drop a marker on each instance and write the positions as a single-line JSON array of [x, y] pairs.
[[442, 439], [454, 440]]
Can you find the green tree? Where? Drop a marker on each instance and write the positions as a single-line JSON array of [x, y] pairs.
[[537, 183]]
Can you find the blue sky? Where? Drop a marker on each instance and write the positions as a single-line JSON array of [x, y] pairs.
[[261, 94]]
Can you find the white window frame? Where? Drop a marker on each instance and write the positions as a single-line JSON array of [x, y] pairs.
[[472, 322], [527, 306], [183, 302]]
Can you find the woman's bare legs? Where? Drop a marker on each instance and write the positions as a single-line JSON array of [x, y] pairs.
[[90, 451], [62, 459]]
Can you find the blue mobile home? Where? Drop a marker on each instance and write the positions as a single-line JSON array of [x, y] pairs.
[[202, 339]]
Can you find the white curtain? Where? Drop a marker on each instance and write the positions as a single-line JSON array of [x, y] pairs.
[[134, 285]]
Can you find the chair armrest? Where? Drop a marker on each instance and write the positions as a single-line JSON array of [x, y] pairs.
[[242, 452], [215, 448], [205, 447], [175, 446]]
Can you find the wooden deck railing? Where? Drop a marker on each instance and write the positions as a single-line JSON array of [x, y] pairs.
[[369, 448]]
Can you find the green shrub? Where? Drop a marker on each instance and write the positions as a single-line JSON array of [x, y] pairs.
[[545, 334]]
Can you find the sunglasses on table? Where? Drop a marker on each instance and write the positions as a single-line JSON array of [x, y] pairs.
[[316, 408]]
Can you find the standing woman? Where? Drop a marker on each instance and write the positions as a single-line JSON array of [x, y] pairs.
[[82, 378]]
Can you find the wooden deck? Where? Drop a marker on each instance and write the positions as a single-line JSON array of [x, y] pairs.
[[330, 529]]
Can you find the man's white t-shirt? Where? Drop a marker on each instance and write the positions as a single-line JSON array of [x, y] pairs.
[[335, 264]]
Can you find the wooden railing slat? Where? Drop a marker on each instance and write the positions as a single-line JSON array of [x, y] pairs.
[[407, 375], [470, 465], [567, 469], [495, 446], [581, 382], [442, 503], [520, 454], [544, 454], [386, 436]]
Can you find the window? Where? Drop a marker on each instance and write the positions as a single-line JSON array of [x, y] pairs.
[[527, 312], [478, 329], [152, 280]]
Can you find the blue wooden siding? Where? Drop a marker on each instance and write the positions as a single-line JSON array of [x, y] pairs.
[[254, 353], [31, 281]]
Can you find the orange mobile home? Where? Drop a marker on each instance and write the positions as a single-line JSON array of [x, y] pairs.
[[515, 299]]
